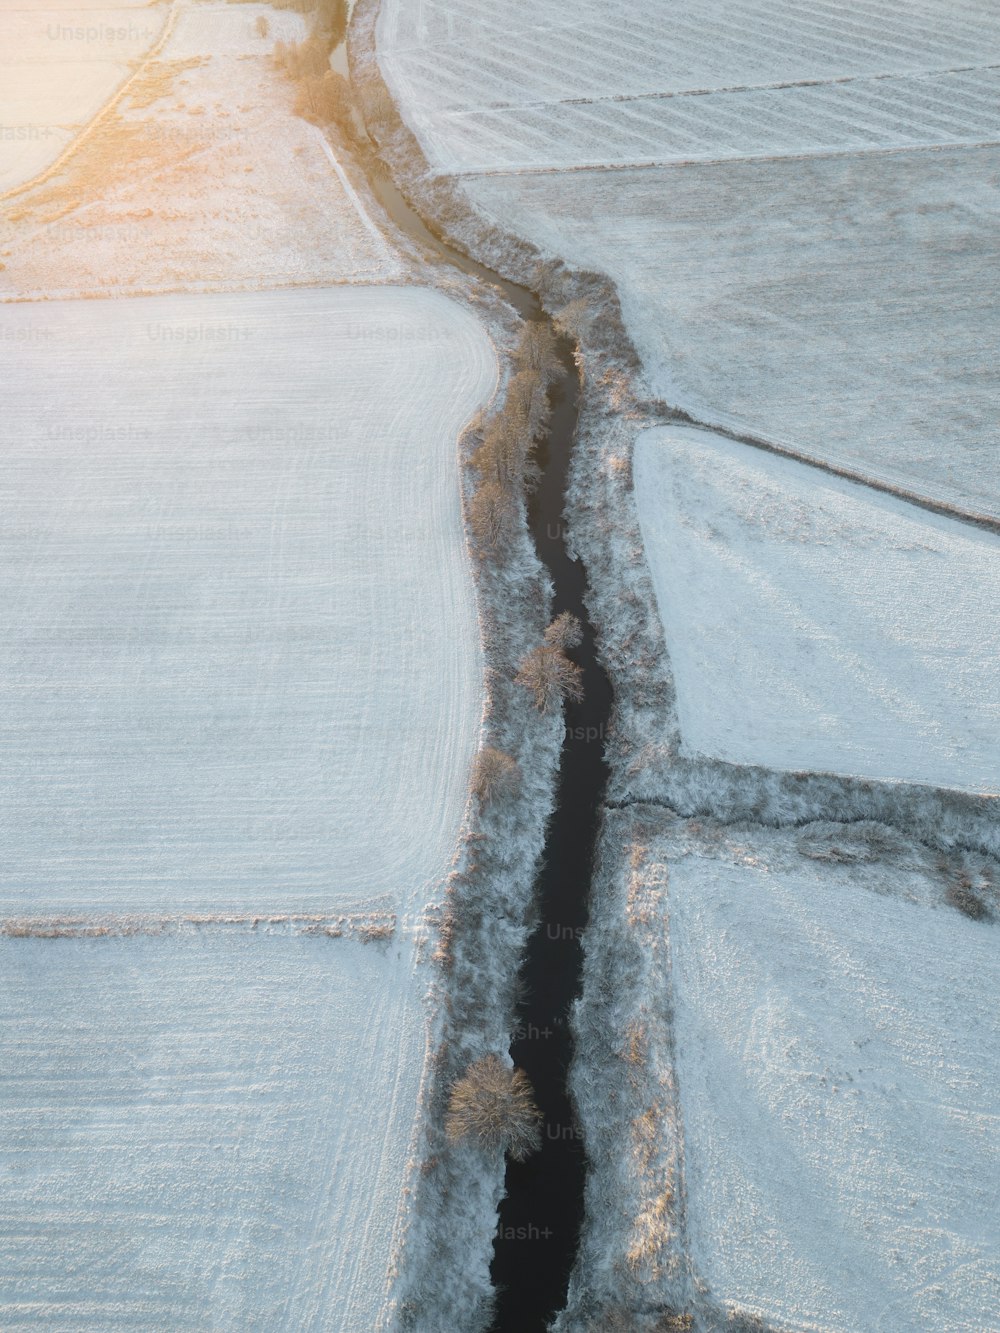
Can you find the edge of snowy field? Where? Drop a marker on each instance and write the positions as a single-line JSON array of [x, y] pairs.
[[635, 1270], [444, 1248], [441, 1277], [643, 752], [643, 748]]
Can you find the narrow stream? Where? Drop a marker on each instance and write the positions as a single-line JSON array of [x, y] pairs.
[[541, 1214]]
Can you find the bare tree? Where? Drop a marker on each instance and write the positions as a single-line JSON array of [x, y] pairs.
[[492, 515], [565, 632], [538, 351], [551, 677], [494, 774], [528, 400], [495, 1106]]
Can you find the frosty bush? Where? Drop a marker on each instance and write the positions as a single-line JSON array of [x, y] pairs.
[[550, 676], [302, 60], [537, 352], [962, 896], [528, 407], [565, 632], [505, 453], [495, 1106], [492, 515], [331, 21], [325, 99], [494, 774]]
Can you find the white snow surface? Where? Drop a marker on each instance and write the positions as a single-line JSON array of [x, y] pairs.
[[838, 1057], [842, 307], [816, 624], [752, 176], [58, 67], [240, 661], [208, 1132], [542, 86]]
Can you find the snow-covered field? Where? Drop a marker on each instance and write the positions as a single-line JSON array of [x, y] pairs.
[[788, 1073], [839, 306], [838, 1057], [57, 69], [543, 86], [790, 261], [787, 1051], [200, 177], [208, 1132], [239, 660], [816, 624]]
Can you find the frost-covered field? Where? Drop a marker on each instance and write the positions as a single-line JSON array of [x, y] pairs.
[[57, 69], [838, 1057], [239, 660], [788, 262], [815, 624], [541, 86], [204, 1132], [242, 684], [199, 177], [842, 307], [791, 1086]]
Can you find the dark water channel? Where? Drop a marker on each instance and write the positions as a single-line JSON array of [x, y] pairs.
[[541, 1214]]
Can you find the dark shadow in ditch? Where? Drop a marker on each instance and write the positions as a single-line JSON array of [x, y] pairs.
[[541, 1213]]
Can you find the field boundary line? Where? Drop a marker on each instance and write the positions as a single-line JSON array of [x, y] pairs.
[[818, 82], [655, 164], [678, 417], [365, 926]]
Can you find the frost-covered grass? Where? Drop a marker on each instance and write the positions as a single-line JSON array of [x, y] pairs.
[[204, 1132], [200, 177], [840, 305], [815, 624], [58, 67], [240, 655], [787, 1071]]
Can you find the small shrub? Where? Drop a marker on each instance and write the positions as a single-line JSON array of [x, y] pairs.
[[262, 25], [492, 515], [538, 351], [301, 60], [961, 895], [528, 406], [565, 632], [505, 451], [573, 318], [494, 774], [330, 22], [551, 677], [495, 1106], [317, 98]]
